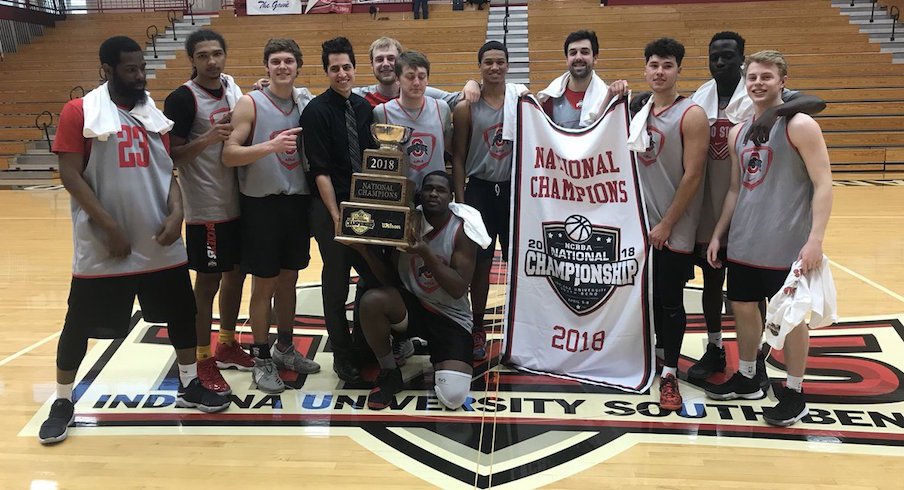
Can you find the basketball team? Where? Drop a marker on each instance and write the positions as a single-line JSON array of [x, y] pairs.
[[736, 177]]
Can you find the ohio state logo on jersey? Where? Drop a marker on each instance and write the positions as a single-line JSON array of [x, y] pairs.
[[657, 140], [289, 159], [755, 163], [420, 150], [215, 116], [718, 139], [498, 147], [422, 275]]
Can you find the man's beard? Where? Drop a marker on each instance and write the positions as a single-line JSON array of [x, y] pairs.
[[587, 70], [135, 96]]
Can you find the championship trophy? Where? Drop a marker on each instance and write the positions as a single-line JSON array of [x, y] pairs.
[[381, 210]]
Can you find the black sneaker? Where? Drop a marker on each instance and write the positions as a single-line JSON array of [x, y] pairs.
[[388, 383], [712, 361], [739, 386], [56, 428], [761, 377], [196, 396], [791, 407], [346, 369]]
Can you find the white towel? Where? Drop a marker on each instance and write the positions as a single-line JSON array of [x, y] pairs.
[[231, 89], [473, 223], [102, 116], [302, 96], [593, 98], [739, 107], [638, 137], [510, 110], [810, 294]]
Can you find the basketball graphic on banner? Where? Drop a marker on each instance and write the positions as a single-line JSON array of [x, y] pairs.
[[578, 228]]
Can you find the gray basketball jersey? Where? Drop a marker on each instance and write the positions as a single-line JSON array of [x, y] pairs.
[[564, 114], [209, 188], [276, 173], [489, 156], [717, 177], [130, 173], [429, 127], [417, 279], [661, 169], [773, 217]]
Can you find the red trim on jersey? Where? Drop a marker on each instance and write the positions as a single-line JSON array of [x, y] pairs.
[[788, 136], [275, 105], [435, 231], [135, 273], [657, 114], [758, 266], [212, 96], [250, 139]]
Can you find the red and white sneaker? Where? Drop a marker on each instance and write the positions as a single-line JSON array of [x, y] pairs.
[[233, 356], [669, 396], [211, 378]]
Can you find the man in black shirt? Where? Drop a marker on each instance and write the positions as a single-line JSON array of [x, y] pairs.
[[333, 155]]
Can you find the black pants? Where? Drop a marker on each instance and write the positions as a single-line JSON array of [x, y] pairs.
[[420, 9], [338, 260], [671, 271]]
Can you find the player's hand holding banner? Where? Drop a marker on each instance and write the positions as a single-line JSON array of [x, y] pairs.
[[579, 293]]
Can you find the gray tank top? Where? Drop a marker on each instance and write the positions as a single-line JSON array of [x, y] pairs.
[[773, 217], [429, 126], [489, 156], [717, 177], [564, 114], [661, 170], [421, 282], [130, 173], [209, 188], [276, 173]]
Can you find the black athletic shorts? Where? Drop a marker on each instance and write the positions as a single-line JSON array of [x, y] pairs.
[[446, 340], [276, 233], [754, 284], [101, 308], [493, 200], [700, 256], [214, 247]]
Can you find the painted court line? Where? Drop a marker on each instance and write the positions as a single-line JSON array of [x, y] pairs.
[[869, 281], [28, 349]]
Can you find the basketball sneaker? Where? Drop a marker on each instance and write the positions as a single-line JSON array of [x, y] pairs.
[[791, 407], [402, 349], [56, 428], [738, 386], [211, 378], [233, 356], [480, 344], [669, 395], [266, 377], [712, 361], [761, 377], [388, 383], [292, 360], [195, 395]]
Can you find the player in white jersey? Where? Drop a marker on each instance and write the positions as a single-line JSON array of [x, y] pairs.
[[430, 120], [775, 212], [383, 54], [275, 198], [127, 224], [725, 100], [201, 113], [671, 170], [425, 296], [480, 155]]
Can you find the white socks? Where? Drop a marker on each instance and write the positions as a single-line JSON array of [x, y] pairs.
[[714, 338], [64, 391], [188, 372], [669, 370], [794, 383], [747, 368]]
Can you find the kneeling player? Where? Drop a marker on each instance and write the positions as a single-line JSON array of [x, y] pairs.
[[430, 300]]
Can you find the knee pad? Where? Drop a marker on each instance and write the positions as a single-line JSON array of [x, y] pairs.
[[452, 387], [400, 326]]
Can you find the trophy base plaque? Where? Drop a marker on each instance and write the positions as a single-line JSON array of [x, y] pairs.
[[374, 224], [381, 189]]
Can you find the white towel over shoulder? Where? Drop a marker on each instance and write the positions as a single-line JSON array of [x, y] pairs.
[[231, 89], [810, 294], [638, 137], [510, 110], [472, 223], [102, 116], [739, 107], [593, 98]]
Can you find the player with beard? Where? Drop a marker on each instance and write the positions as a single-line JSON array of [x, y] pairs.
[[775, 212], [426, 296], [275, 206], [726, 102], [127, 225], [577, 98], [480, 155], [201, 112], [671, 170]]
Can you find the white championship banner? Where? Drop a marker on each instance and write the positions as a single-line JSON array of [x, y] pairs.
[[579, 302], [273, 7]]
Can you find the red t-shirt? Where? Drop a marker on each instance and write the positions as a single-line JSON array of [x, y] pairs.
[[573, 98]]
